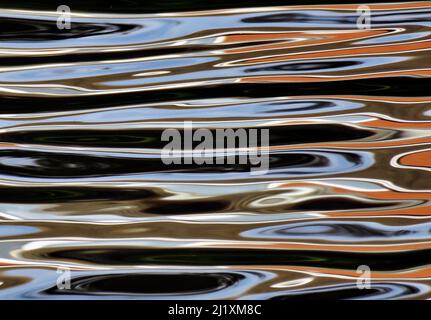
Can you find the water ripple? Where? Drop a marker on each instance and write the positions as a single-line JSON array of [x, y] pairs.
[[83, 187]]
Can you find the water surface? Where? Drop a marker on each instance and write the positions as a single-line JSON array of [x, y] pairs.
[[82, 185]]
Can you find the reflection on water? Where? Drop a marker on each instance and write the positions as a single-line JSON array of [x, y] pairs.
[[82, 185]]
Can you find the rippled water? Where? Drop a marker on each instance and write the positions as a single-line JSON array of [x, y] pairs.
[[82, 185]]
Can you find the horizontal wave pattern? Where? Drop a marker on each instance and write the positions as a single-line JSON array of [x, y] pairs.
[[82, 184]]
